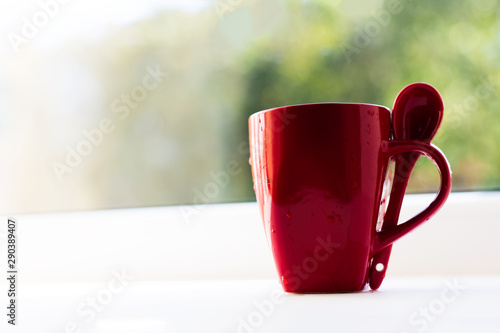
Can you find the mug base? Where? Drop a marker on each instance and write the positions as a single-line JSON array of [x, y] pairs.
[[324, 289]]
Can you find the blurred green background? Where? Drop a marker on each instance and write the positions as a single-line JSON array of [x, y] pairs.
[[223, 61]]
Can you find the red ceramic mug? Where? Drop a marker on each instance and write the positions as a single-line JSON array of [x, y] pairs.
[[320, 175]]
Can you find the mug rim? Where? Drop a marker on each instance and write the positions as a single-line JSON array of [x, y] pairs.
[[320, 103]]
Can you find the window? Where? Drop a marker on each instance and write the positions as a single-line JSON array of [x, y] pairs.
[[145, 103]]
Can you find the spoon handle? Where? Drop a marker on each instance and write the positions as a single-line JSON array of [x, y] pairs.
[[404, 165]]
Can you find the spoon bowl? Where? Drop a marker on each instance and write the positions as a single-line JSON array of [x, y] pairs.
[[417, 113]]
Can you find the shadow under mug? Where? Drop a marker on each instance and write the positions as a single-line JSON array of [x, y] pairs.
[[320, 174]]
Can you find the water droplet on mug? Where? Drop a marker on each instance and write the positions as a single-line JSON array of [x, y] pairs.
[[273, 231], [371, 113], [284, 280], [330, 219], [259, 120], [288, 215]]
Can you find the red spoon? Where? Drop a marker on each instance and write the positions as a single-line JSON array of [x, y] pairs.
[[416, 115]]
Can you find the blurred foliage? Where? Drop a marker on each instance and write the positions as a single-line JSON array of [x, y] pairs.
[[223, 69], [452, 45], [225, 63]]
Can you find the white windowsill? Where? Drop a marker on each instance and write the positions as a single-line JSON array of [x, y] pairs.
[[227, 241], [245, 306], [206, 272]]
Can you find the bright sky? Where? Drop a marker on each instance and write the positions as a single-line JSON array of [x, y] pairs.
[[79, 18]]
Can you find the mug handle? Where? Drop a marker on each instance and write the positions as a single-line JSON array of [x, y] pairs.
[[389, 235]]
